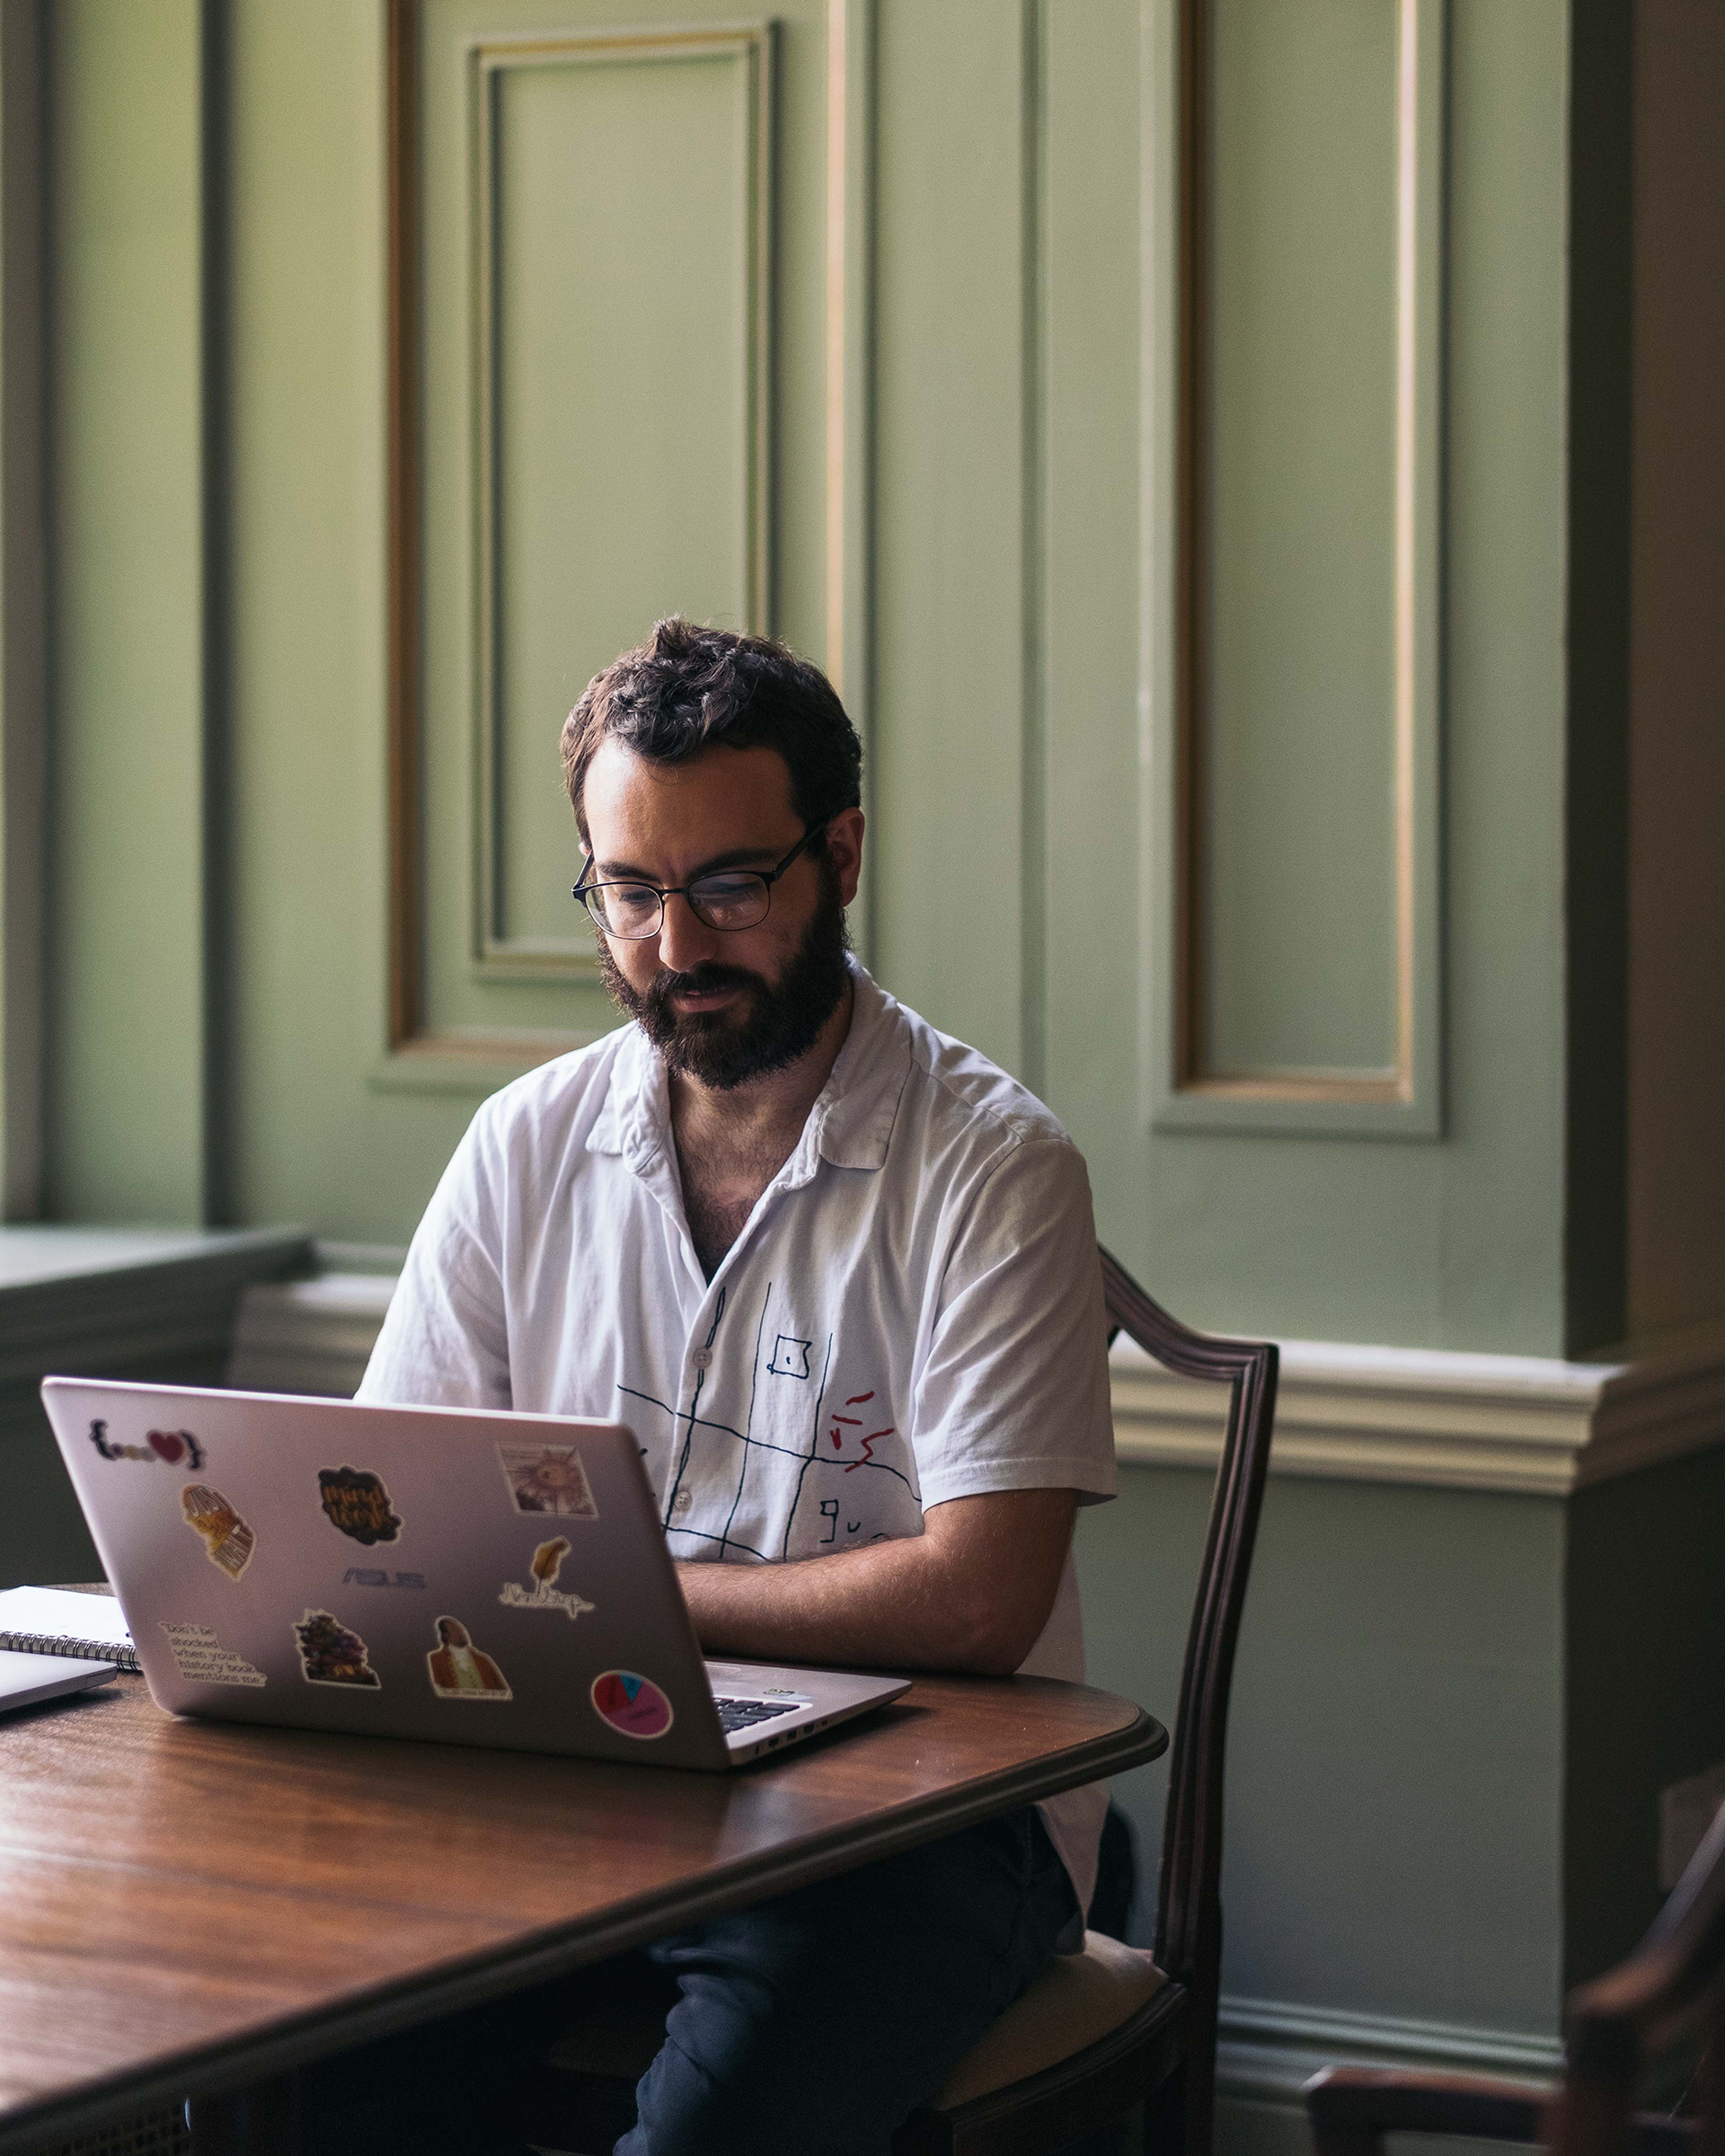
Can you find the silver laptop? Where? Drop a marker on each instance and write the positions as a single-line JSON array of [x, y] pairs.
[[470, 1578]]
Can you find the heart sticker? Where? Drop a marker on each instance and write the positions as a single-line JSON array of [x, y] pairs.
[[169, 1446]]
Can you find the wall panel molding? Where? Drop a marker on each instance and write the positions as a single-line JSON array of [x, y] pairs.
[[1191, 1086], [1035, 613], [498, 954], [24, 614], [405, 1031], [849, 597], [421, 1049]]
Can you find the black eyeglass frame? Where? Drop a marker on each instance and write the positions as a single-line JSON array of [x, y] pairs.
[[769, 876]]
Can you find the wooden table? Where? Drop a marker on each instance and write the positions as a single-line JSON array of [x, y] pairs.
[[187, 1908]]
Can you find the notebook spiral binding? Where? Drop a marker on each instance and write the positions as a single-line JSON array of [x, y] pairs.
[[58, 1643]]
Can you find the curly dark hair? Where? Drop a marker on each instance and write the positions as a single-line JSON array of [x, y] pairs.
[[689, 688]]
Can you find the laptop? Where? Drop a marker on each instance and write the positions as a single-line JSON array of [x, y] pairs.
[[444, 1573], [26, 1679]]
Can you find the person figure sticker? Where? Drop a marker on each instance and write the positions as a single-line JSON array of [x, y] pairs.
[[329, 1654], [548, 1477], [632, 1705], [460, 1670], [228, 1541], [547, 1563], [357, 1504]]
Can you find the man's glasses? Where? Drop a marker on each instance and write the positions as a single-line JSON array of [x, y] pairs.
[[729, 899]]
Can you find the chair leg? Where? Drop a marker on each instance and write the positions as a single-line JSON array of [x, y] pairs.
[[1165, 2121]]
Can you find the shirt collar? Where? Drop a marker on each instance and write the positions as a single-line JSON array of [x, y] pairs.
[[850, 1125]]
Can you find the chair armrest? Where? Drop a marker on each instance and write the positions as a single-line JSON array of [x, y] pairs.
[[1352, 2107]]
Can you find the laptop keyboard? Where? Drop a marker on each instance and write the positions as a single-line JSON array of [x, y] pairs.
[[743, 1714]]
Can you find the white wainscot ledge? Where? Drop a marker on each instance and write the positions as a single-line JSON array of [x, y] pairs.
[[1500, 1422], [308, 1336], [1506, 1422]]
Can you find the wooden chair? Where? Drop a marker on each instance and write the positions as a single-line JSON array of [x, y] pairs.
[[1651, 2008], [1111, 2028]]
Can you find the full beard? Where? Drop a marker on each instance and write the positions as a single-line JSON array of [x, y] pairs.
[[773, 1024]]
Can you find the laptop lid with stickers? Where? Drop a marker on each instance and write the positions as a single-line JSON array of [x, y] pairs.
[[439, 1573]]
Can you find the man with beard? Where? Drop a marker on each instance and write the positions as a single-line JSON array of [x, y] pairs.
[[838, 1273]]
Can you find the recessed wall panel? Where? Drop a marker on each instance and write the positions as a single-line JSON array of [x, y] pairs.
[[1292, 368], [617, 324], [1296, 883]]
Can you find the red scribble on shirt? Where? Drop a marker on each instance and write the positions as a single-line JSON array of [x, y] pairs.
[[867, 1448], [857, 1398]]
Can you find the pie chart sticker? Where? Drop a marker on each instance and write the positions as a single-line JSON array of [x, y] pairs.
[[631, 1704]]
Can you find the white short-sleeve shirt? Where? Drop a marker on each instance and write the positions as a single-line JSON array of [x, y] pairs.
[[913, 1312]]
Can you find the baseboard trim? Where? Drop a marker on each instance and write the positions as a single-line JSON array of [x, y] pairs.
[[1268, 2050]]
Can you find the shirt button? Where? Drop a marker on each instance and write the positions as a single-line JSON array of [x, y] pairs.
[[683, 1501], [701, 1358]]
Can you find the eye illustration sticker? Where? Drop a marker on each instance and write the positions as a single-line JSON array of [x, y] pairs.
[[228, 1541], [548, 1477], [632, 1705], [461, 1671], [329, 1654], [357, 1504], [542, 1594]]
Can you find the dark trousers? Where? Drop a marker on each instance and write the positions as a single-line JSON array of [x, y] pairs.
[[806, 2025]]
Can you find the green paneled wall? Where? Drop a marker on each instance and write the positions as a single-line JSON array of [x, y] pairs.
[[1643, 1703], [999, 303], [306, 405], [956, 694], [1298, 900], [1395, 1765], [648, 316], [126, 918], [1016, 640]]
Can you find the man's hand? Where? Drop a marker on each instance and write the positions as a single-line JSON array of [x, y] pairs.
[[971, 1593]]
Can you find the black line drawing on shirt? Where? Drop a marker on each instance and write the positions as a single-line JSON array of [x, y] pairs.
[[754, 1381], [789, 1357], [700, 1381], [792, 1357]]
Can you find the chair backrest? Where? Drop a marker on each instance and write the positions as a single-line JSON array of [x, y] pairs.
[[1188, 1899], [1668, 1994]]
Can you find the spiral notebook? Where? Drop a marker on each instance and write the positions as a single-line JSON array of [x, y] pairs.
[[54, 1621]]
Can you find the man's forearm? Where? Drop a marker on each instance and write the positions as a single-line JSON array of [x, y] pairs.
[[972, 1592]]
